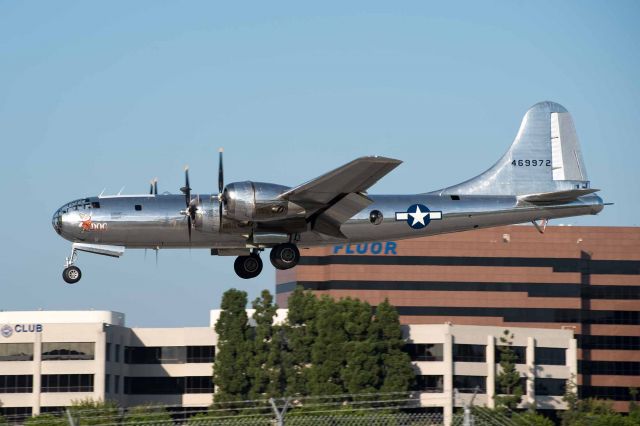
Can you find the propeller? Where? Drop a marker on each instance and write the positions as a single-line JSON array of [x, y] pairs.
[[192, 205], [220, 188]]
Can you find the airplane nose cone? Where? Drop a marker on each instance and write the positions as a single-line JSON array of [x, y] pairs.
[[67, 223]]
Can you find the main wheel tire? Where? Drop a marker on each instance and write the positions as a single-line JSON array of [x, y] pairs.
[[71, 274], [284, 256], [247, 267]]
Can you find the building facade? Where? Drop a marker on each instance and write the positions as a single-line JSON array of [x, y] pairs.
[[50, 359], [586, 279]]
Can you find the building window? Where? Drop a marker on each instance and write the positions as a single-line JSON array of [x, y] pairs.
[[198, 384], [614, 368], [631, 343], [550, 387], [468, 384], [201, 353], [155, 355], [430, 384], [519, 351], [617, 393], [67, 383], [116, 384], [424, 351], [15, 415], [108, 352], [53, 410], [16, 384], [64, 351], [550, 356], [16, 351], [107, 383], [167, 385], [469, 353], [117, 353], [502, 391]]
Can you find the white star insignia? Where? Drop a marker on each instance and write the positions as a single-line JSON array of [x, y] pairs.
[[418, 216]]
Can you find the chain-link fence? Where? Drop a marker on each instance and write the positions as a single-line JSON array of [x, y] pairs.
[[393, 409]]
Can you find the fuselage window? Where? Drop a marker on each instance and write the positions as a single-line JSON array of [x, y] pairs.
[[138, 207]]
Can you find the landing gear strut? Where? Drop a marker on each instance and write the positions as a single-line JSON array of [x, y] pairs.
[[285, 256], [71, 274], [248, 266]]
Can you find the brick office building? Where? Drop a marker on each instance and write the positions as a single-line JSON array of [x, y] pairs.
[[583, 278]]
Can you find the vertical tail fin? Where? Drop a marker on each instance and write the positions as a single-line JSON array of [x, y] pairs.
[[544, 157]]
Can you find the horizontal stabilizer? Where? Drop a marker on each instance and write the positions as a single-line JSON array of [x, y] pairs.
[[557, 196]]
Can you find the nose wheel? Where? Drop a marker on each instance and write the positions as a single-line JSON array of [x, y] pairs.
[[71, 274], [285, 256], [248, 266]]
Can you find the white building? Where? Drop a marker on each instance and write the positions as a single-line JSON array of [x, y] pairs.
[[50, 358]]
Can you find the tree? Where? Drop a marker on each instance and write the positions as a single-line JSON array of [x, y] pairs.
[[230, 371], [94, 412], [509, 392], [530, 418], [265, 364], [44, 420], [147, 414], [396, 370], [327, 350], [360, 370], [299, 334]]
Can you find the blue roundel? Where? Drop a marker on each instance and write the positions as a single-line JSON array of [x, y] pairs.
[[418, 216]]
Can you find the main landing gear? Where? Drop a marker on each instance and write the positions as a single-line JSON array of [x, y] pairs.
[[283, 256], [71, 274]]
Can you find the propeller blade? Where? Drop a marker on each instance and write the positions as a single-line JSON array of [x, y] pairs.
[[155, 186], [186, 189], [220, 187], [220, 171], [151, 187], [189, 227]]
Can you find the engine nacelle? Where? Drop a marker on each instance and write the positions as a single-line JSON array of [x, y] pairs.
[[258, 201]]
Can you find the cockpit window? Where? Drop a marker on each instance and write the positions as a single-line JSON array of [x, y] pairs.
[[81, 204], [95, 205]]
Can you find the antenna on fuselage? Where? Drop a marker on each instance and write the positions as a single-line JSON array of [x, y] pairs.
[[153, 186]]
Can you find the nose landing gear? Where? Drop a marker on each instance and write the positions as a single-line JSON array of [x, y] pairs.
[[71, 274]]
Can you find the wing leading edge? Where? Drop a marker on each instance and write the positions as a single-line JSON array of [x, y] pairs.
[[334, 197]]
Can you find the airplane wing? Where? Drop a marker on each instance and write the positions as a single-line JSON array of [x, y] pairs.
[[355, 176], [336, 196]]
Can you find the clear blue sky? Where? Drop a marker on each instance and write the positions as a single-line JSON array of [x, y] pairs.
[[99, 95]]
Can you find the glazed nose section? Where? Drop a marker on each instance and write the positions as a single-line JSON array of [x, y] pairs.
[[56, 220], [67, 223]]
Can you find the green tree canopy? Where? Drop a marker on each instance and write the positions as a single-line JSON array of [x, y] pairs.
[[509, 390], [147, 414], [234, 350]]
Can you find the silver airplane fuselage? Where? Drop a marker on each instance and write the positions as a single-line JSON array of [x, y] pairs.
[[157, 222]]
